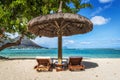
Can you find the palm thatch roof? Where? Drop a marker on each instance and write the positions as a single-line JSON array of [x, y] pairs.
[[65, 24]]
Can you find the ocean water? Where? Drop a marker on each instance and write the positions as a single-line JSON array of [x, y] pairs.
[[86, 53]]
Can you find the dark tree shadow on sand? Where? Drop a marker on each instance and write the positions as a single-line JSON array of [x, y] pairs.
[[89, 65]]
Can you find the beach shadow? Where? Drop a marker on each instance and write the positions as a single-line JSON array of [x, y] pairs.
[[89, 65]]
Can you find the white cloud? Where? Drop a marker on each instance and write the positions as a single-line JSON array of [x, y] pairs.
[[68, 42], [99, 20], [85, 43], [100, 9], [97, 11], [105, 1], [52, 42], [46, 42]]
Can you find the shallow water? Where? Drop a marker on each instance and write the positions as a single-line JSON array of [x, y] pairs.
[[87, 53]]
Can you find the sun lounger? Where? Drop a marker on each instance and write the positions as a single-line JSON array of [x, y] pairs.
[[44, 64], [75, 63]]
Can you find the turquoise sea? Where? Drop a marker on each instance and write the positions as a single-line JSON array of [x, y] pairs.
[[86, 53]]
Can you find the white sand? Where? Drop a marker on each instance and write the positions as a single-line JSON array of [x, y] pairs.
[[96, 69]]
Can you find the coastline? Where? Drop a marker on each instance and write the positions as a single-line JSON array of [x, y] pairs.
[[86, 53], [96, 69]]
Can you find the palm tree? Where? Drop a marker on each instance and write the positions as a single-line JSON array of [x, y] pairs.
[[77, 5]]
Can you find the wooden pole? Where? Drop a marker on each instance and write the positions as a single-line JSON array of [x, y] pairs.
[[59, 37], [60, 48]]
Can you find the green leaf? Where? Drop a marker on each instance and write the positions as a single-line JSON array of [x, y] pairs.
[[15, 14]]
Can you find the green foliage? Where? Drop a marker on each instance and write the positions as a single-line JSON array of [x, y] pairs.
[[15, 14]]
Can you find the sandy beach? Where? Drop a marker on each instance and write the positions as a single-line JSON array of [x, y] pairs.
[[96, 69]]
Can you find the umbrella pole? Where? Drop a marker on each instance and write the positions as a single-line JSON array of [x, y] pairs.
[[60, 49]]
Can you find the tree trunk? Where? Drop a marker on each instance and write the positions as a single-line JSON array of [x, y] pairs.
[[11, 44]]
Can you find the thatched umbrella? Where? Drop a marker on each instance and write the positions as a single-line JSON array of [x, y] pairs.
[[58, 25]]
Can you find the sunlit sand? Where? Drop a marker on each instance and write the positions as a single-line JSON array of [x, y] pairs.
[[96, 69]]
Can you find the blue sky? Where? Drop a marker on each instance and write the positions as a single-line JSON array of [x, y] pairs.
[[105, 16]]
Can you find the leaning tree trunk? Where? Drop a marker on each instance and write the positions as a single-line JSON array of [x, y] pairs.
[[12, 44]]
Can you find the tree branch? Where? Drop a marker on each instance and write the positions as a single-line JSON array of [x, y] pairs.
[[12, 44], [60, 7]]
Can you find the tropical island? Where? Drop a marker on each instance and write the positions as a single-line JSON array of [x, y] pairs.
[[92, 56]]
